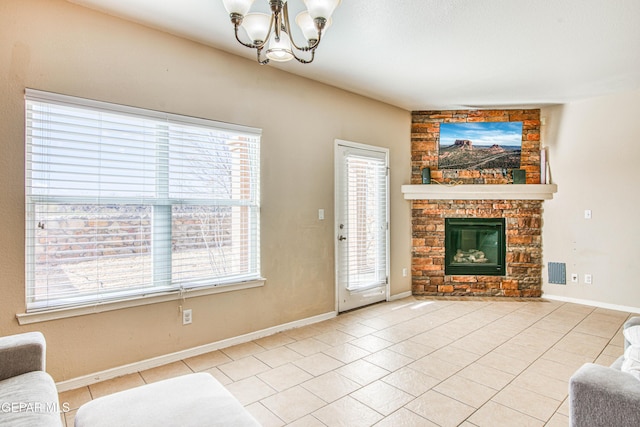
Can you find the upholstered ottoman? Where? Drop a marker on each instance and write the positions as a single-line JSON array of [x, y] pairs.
[[197, 400]]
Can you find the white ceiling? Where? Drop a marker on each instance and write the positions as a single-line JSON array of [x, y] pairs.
[[441, 54]]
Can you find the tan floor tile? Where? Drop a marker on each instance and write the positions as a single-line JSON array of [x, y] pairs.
[[504, 363], [613, 350], [293, 403], [558, 420], [564, 408], [164, 372], [308, 421], [265, 417], [411, 381], [356, 330], [346, 353], [334, 338], [207, 360], [405, 418], [219, 375], [116, 384], [273, 341], [440, 409], [527, 402], [308, 346], [74, 398], [285, 376], [371, 343], [486, 375], [397, 333], [420, 361], [250, 390], [495, 415], [331, 386], [302, 333], [318, 364], [552, 369], [278, 356], [525, 355], [347, 412], [412, 349], [605, 360], [382, 397], [389, 360], [461, 357], [479, 344], [583, 344], [543, 385], [241, 351], [465, 391], [362, 372], [243, 368], [69, 417], [435, 367], [570, 359], [432, 339]]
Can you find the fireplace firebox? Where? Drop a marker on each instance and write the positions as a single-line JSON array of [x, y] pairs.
[[475, 246]]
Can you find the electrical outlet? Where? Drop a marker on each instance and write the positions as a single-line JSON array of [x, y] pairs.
[[187, 316], [574, 277], [587, 279]]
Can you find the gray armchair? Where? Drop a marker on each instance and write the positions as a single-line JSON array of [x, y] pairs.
[[28, 395], [601, 396]]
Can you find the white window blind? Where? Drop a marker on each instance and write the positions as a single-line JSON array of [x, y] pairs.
[[365, 221], [123, 202]]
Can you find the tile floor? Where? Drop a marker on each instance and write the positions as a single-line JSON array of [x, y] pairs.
[[411, 362]]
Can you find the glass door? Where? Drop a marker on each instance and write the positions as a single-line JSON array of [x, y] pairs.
[[362, 234]]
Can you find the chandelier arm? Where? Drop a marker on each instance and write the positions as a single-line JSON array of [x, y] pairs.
[[261, 62], [285, 12], [305, 61]]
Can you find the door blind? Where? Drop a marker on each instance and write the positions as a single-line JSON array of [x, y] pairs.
[[363, 260]]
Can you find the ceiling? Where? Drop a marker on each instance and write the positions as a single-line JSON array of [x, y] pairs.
[[441, 54]]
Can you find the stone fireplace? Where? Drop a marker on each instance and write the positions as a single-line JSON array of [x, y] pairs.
[[476, 195]]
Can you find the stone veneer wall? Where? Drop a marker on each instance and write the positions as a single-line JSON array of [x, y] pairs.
[[523, 218], [524, 248], [425, 136]]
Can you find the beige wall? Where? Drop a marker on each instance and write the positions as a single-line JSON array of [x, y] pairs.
[[594, 153], [56, 46]]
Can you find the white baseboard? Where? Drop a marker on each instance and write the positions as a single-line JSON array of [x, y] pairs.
[[400, 296], [154, 362], [592, 303]]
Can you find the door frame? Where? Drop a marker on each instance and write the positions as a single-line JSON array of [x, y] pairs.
[[336, 169]]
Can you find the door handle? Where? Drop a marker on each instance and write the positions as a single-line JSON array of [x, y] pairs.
[[341, 238]]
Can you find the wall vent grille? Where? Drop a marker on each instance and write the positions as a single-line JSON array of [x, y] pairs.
[[557, 273]]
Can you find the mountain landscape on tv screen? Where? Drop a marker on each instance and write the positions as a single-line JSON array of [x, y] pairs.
[[464, 155]]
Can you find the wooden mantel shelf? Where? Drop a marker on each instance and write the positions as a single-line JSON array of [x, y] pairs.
[[479, 191]]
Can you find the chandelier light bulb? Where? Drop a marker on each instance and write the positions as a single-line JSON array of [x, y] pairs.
[[280, 51]]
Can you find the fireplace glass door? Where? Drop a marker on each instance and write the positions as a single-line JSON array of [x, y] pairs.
[[475, 246]]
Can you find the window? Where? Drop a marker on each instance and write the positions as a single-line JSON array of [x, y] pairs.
[[123, 202]]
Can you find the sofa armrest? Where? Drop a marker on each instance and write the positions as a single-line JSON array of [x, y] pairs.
[[633, 321], [602, 396], [22, 353]]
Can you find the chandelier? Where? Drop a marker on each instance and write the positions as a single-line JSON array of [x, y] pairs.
[[273, 32]]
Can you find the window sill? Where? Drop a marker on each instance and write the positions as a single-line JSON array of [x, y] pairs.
[[61, 313]]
